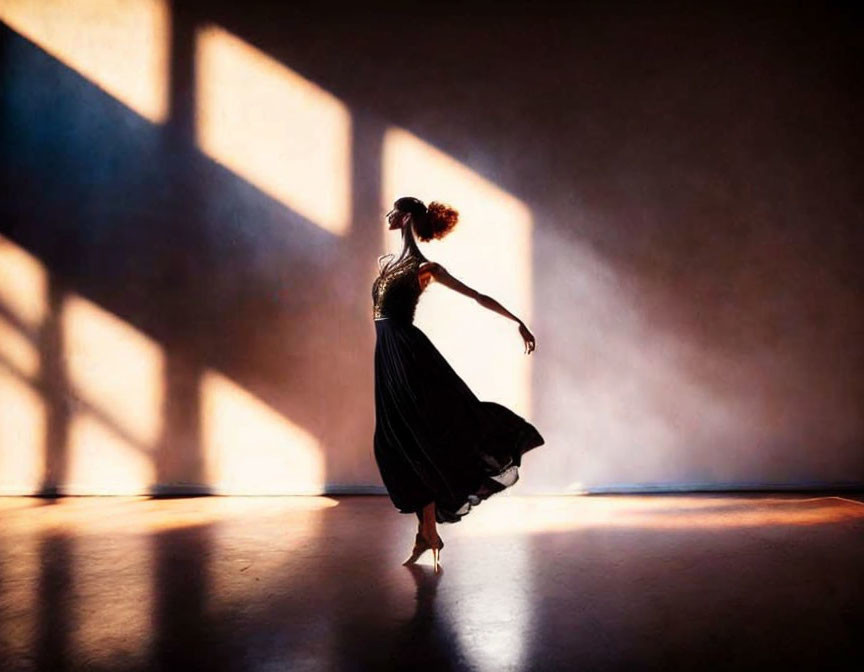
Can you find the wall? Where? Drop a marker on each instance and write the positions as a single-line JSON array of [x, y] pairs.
[[669, 195]]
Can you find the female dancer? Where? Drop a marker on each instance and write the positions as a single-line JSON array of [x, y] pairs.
[[440, 450]]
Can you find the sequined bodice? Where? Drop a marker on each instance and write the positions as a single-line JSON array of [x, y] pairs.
[[397, 289]]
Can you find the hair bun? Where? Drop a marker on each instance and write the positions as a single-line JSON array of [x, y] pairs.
[[438, 222]]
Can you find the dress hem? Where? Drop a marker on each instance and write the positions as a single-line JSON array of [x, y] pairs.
[[491, 485]]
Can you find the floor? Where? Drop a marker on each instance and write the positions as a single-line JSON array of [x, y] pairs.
[[686, 582]]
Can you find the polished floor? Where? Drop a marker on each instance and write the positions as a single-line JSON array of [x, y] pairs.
[[528, 583]]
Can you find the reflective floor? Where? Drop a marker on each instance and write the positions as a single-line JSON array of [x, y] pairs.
[[528, 583]]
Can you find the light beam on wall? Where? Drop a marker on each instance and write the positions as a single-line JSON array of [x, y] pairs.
[[23, 293], [17, 351], [22, 435], [23, 285], [119, 45], [251, 449], [489, 250], [103, 461], [118, 373], [286, 135]]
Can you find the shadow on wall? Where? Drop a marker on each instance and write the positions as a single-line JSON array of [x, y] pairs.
[[167, 318], [198, 296]]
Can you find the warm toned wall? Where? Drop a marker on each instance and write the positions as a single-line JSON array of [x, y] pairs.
[[693, 185]]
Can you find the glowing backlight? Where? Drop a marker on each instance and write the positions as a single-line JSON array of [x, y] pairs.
[[489, 250], [119, 45], [252, 449], [284, 134]]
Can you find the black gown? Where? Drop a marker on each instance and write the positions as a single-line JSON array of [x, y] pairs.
[[434, 439]]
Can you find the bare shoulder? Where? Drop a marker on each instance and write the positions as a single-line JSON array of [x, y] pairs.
[[429, 271], [432, 268]]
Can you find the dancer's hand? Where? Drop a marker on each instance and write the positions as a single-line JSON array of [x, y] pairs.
[[528, 337]]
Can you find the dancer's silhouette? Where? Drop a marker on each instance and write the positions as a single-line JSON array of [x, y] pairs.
[[440, 450]]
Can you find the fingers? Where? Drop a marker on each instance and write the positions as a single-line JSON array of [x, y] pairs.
[[528, 338]]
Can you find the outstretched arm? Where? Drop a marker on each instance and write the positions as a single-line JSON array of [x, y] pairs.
[[433, 270]]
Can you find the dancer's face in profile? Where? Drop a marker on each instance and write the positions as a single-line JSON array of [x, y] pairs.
[[396, 219]]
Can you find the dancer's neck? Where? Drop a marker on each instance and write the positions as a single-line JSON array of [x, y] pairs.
[[409, 244]]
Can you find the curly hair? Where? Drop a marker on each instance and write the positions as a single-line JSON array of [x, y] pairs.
[[436, 221]]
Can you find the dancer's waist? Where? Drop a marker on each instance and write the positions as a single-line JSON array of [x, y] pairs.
[[393, 319]]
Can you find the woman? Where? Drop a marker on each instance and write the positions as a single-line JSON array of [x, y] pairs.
[[440, 450]]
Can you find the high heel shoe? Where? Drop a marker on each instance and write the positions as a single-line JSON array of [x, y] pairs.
[[436, 552], [436, 559], [421, 545]]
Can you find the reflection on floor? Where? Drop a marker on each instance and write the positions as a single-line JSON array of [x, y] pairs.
[[529, 583]]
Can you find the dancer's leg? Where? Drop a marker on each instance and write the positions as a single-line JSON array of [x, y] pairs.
[[424, 516], [428, 521], [431, 533]]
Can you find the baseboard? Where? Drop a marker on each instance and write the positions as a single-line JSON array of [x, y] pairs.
[[675, 488]]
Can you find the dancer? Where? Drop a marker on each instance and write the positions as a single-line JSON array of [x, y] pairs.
[[440, 450]]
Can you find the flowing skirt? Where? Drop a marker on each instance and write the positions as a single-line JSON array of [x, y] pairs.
[[434, 439]]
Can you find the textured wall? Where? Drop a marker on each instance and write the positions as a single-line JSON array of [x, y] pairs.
[[693, 185]]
